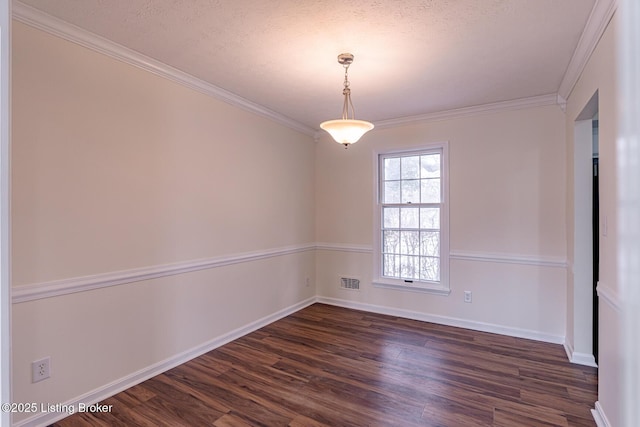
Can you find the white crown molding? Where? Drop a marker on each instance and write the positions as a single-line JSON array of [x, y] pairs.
[[55, 288], [599, 18], [57, 27], [515, 104], [108, 390], [508, 259], [476, 110], [445, 320], [562, 103], [47, 23]]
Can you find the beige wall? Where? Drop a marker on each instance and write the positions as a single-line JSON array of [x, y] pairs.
[[599, 75], [507, 192], [113, 169]]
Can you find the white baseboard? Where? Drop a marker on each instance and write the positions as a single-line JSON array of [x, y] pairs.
[[599, 416], [108, 390], [445, 320], [583, 359], [579, 358]]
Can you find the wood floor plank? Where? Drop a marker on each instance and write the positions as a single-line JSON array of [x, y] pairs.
[[566, 405], [515, 413], [212, 404], [302, 421], [443, 411], [330, 366], [230, 420], [136, 395]]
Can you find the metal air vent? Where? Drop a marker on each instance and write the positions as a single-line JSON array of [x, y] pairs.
[[349, 283]]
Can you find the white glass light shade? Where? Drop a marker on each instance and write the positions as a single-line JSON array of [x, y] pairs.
[[345, 131]]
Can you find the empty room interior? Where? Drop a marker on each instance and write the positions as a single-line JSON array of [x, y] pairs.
[[172, 192]]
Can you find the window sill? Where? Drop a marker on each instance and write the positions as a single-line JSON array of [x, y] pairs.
[[425, 289]]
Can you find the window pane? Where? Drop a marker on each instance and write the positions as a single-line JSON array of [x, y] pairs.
[[390, 265], [409, 267], [430, 190], [391, 192], [391, 217], [430, 269], [430, 243], [430, 166], [411, 191], [410, 217], [410, 242], [391, 242], [391, 169], [410, 167], [430, 218]]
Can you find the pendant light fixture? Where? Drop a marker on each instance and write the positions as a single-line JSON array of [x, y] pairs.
[[346, 130]]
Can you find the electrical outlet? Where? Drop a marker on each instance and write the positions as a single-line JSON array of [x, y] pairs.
[[307, 282], [467, 296], [40, 369]]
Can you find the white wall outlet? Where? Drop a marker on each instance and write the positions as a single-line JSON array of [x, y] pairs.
[[307, 282], [467, 296], [40, 369]]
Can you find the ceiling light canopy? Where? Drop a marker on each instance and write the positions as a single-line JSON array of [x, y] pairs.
[[346, 130]]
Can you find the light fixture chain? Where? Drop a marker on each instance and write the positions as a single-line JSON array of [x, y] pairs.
[[345, 105], [348, 105]]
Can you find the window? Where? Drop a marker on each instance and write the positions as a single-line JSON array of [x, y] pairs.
[[412, 220]]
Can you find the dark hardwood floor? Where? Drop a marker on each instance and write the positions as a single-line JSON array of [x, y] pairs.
[[330, 366]]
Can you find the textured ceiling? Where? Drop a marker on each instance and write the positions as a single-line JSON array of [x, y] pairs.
[[412, 57]]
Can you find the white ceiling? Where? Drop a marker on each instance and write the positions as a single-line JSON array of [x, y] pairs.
[[412, 57]]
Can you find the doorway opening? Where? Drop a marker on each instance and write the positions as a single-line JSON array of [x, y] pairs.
[[595, 191], [586, 242]]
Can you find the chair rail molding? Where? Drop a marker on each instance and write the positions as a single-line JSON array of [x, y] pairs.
[[540, 261], [609, 295], [24, 293]]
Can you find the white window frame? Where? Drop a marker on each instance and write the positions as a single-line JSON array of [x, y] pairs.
[[441, 287]]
